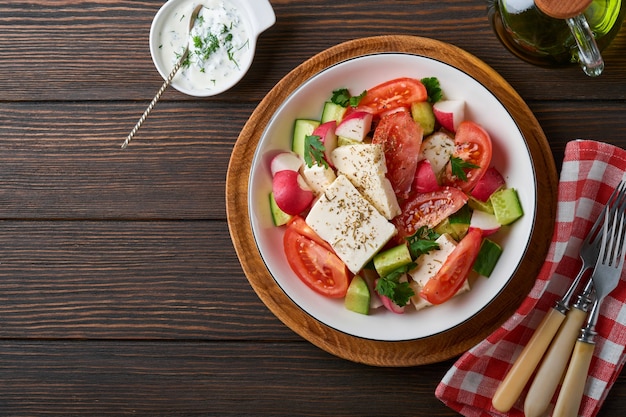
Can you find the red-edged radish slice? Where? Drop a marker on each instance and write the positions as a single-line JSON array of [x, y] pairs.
[[390, 305], [327, 135], [449, 113], [355, 126], [484, 221], [425, 178], [285, 161], [489, 183], [291, 192]]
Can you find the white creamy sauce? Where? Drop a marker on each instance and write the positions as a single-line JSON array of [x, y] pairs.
[[219, 45]]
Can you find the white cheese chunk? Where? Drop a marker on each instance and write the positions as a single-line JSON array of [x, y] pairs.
[[427, 267], [318, 177], [349, 223], [364, 165]]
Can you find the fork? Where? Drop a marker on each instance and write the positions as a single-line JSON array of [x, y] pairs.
[[556, 358], [606, 276], [511, 387]]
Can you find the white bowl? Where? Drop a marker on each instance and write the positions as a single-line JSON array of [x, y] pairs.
[[511, 157], [169, 36]]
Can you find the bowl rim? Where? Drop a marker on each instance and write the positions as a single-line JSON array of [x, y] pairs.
[[384, 353]]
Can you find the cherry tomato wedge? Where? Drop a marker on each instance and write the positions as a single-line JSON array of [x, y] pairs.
[[473, 146], [428, 209], [454, 270], [400, 92], [313, 261], [401, 139]]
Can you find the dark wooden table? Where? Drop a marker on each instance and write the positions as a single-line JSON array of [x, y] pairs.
[[120, 290]]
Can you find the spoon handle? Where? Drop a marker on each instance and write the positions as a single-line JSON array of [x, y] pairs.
[[156, 98]]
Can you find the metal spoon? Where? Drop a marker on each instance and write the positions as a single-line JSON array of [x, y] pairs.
[[167, 82]]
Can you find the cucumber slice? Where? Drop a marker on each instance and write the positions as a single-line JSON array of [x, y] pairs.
[[485, 206], [506, 205], [301, 129], [457, 224], [358, 296], [422, 113], [487, 257], [392, 259], [279, 217], [332, 111]]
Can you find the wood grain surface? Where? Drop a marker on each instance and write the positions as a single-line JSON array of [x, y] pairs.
[[120, 289]]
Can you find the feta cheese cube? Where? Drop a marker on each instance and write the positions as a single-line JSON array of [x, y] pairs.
[[318, 177], [349, 223], [427, 267], [364, 165]]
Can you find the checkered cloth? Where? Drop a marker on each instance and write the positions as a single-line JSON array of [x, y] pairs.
[[591, 170]]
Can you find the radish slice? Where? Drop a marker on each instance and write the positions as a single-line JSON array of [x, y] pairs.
[[449, 113], [391, 306], [327, 135], [484, 221], [355, 126], [289, 161], [490, 182], [425, 179], [291, 192]]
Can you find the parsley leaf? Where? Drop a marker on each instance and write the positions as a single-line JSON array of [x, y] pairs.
[[458, 165], [433, 89], [355, 100], [314, 151], [343, 98], [391, 287], [423, 241]]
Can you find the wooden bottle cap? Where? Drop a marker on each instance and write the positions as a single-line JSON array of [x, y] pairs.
[[560, 9]]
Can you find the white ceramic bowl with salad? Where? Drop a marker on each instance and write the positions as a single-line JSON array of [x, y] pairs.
[[222, 42], [511, 157]]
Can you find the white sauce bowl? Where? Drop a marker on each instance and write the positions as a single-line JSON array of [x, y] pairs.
[[224, 68]]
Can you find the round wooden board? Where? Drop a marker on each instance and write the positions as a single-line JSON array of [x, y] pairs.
[[435, 348]]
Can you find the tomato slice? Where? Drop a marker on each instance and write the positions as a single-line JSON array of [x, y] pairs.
[[428, 209], [315, 263], [473, 145], [400, 92], [454, 270], [401, 139]]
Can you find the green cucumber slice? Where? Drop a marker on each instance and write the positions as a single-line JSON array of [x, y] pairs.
[[332, 111], [476, 204], [392, 259], [301, 129], [506, 205], [487, 257], [422, 113], [358, 296], [279, 217]]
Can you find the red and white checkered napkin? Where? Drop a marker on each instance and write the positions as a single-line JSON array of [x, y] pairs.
[[591, 170]]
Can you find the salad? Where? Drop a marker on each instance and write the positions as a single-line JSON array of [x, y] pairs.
[[390, 198]]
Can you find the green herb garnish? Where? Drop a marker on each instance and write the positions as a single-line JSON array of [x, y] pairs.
[[423, 241], [458, 166], [433, 89], [343, 98], [314, 151], [391, 287]]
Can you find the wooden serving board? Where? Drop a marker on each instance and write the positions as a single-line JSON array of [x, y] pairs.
[[431, 349]]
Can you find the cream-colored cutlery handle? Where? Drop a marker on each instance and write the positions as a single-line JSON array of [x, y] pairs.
[[554, 363], [571, 394], [511, 387]]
